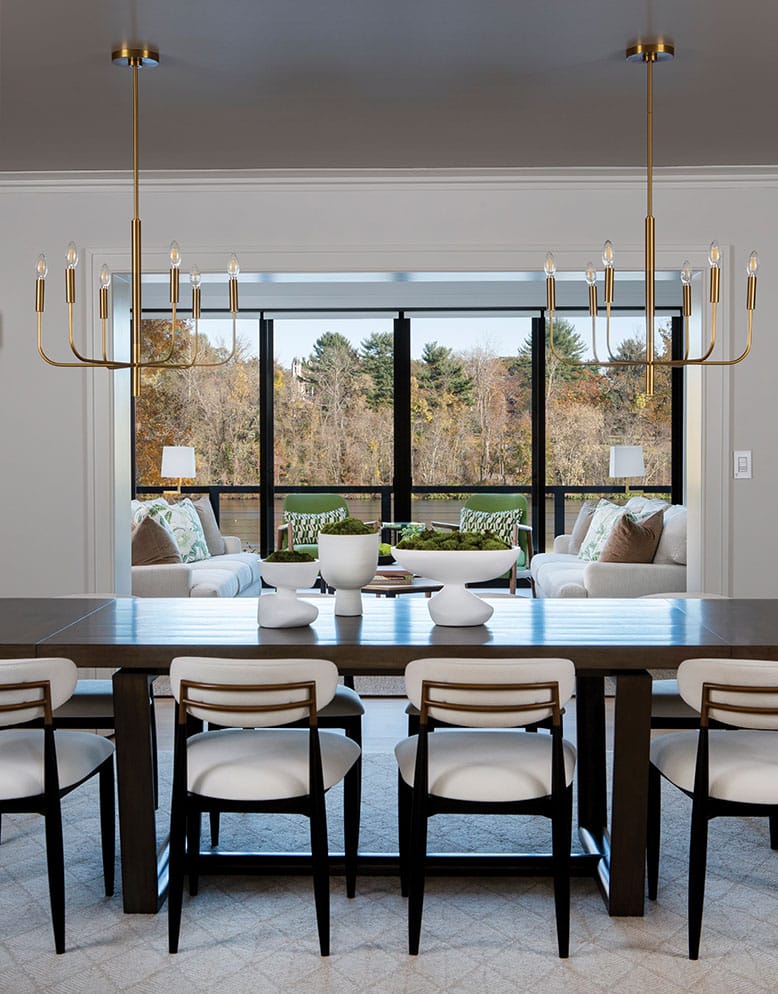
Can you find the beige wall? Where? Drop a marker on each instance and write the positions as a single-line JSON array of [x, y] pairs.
[[63, 452]]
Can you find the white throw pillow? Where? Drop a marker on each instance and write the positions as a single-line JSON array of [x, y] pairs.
[[643, 506], [672, 541], [605, 516]]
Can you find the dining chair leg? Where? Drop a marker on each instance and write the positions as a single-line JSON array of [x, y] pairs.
[[774, 829], [321, 871], [108, 823], [193, 824], [55, 863], [404, 795], [176, 871], [352, 799], [561, 830], [213, 824], [418, 857], [698, 852], [352, 802], [653, 831], [154, 753]]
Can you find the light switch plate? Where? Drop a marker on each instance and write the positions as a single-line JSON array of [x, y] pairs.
[[742, 464]]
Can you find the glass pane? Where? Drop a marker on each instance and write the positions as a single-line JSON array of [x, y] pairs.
[[333, 406], [471, 407], [213, 408], [589, 409]]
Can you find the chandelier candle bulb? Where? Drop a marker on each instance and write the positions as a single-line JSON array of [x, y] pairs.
[[195, 279], [71, 261], [233, 271], [105, 283], [686, 285], [175, 263], [591, 282], [41, 269]]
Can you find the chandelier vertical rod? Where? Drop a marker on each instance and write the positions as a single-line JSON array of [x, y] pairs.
[[136, 271], [650, 236]]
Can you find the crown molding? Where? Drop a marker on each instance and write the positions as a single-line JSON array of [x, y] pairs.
[[276, 181]]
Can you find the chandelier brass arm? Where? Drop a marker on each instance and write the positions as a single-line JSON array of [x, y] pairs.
[[135, 58], [648, 53]]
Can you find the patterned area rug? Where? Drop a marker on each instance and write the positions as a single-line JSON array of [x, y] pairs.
[[496, 934]]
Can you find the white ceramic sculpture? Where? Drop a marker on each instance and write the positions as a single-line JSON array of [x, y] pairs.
[[284, 609], [455, 605], [347, 563]]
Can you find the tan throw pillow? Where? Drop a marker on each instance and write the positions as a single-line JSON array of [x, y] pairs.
[[213, 537], [581, 527], [633, 541], [153, 544]]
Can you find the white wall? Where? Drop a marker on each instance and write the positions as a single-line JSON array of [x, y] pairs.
[[60, 504]]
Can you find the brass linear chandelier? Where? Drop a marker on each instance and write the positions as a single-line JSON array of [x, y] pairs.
[[135, 58], [649, 53]]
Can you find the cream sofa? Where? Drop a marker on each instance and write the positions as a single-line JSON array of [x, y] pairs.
[[560, 574], [189, 531], [235, 574]]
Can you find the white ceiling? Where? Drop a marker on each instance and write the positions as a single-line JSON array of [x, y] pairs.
[[386, 84]]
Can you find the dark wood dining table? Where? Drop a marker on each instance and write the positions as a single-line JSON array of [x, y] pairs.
[[622, 639]]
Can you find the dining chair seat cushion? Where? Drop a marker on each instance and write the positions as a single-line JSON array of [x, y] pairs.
[[475, 765], [743, 764], [91, 699], [666, 701], [345, 704], [21, 759], [263, 764]]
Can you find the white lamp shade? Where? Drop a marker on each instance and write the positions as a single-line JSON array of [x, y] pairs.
[[627, 460], [178, 461]]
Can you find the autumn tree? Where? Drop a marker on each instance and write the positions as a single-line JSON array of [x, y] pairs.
[[378, 364]]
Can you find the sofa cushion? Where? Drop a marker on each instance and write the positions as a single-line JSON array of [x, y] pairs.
[[153, 543], [306, 526], [605, 516], [214, 583], [581, 526], [213, 537], [240, 566], [499, 522], [672, 542], [632, 541]]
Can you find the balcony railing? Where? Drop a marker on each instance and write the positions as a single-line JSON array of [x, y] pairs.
[[559, 512]]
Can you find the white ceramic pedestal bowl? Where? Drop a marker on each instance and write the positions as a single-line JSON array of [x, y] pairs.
[[284, 609], [455, 605], [347, 563]]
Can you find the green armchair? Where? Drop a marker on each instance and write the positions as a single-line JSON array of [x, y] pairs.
[[304, 515], [507, 515]]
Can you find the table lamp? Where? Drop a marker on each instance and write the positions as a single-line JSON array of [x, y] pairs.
[[626, 461], [178, 461]]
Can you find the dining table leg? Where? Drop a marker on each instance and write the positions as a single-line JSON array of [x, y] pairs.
[[629, 804], [144, 873], [622, 844]]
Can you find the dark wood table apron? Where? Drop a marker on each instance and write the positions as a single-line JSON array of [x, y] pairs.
[[619, 638]]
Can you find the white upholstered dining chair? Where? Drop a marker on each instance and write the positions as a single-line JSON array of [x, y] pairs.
[[486, 763], [252, 763], [729, 770], [40, 766]]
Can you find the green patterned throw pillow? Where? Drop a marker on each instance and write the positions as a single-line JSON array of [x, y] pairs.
[[306, 526], [499, 522], [605, 516], [183, 521]]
